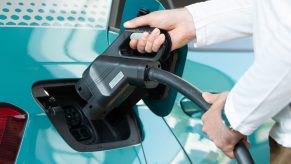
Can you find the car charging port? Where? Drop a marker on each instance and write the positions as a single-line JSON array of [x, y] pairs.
[[63, 107]]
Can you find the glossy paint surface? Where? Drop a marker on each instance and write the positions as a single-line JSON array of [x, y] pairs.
[[32, 53], [41, 55], [53, 49], [36, 52]]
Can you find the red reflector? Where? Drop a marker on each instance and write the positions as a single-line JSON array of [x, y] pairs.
[[12, 124]]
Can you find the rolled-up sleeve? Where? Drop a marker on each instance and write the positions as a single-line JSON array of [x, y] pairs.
[[221, 20]]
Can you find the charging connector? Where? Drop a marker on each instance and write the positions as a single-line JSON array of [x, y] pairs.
[[117, 73], [121, 71]]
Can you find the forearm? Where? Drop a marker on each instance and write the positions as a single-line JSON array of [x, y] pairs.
[[221, 20]]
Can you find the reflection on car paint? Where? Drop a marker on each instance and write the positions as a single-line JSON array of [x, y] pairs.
[[189, 133], [159, 143], [90, 14], [66, 45]]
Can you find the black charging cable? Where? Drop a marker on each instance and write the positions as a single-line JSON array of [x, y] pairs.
[[241, 152]]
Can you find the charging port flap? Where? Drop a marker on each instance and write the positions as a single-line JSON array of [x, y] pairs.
[[161, 99]]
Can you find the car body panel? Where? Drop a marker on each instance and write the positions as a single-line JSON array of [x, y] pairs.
[[20, 72], [159, 144], [48, 50], [45, 52]]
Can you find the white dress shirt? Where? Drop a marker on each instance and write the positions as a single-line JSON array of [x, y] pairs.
[[264, 91]]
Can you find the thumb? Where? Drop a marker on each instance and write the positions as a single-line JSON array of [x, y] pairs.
[[209, 97], [137, 22]]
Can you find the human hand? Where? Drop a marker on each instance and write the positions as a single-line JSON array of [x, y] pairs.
[[224, 138], [178, 22]]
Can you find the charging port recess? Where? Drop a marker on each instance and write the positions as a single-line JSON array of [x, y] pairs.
[[63, 105]]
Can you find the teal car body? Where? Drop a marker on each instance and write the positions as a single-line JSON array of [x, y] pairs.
[[49, 40]]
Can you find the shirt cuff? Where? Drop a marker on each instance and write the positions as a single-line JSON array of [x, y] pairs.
[[234, 119], [196, 11]]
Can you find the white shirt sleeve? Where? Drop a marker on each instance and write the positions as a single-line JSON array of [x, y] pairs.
[[265, 89], [259, 95], [221, 20]]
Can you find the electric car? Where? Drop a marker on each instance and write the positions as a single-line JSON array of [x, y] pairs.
[[44, 48]]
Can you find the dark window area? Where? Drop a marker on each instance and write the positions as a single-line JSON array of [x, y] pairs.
[[116, 14], [244, 44], [170, 4], [118, 5]]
